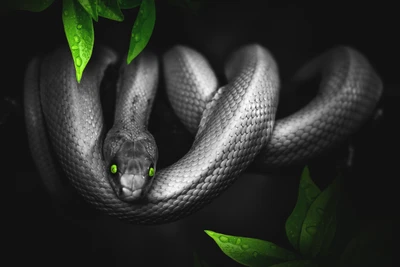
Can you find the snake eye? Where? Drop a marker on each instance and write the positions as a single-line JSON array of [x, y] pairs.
[[113, 169], [151, 171]]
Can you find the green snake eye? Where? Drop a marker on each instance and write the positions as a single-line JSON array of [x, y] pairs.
[[151, 171], [113, 169]]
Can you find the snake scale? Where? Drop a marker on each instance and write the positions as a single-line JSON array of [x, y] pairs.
[[234, 124]]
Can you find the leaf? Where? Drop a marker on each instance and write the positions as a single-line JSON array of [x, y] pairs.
[[329, 221], [346, 221], [110, 9], [325, 237], [91, 7], [308, 192], [142, 29], [373, 246], [78, 27], [29, 5], [320, 222], [296, 263], [251, 251], [128, 4]]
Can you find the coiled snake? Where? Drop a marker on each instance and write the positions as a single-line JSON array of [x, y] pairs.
[[234, 124]]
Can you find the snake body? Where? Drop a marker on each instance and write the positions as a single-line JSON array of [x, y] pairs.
[[233, 124]]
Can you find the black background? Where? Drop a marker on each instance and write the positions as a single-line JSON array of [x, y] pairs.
[[257, 205]]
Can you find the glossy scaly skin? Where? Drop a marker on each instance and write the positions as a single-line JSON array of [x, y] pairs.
[[236, 125]]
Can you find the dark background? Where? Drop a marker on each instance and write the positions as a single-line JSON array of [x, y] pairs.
[[257, 205]]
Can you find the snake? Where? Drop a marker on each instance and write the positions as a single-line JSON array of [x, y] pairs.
[[234, 124]]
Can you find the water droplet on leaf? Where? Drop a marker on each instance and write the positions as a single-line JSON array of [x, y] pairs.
[[137, 37], [255, 254], [79, 26], [77, 39], [238, 241], [310, 197], [244, 246], [223, 239], [74, 47], [78, 61], [311, 230]]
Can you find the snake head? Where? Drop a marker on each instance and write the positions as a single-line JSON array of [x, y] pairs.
[[132, 169]]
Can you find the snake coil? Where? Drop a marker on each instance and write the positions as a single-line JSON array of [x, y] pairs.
[[234, 124]]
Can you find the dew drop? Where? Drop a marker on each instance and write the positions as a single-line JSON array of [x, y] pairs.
[[79, 26], [255, 254], [77, 39], [244, 246], [78, 61], [311, 230], [309, 195], [74, 47], [223, 239], [137, 37], [238, 241]]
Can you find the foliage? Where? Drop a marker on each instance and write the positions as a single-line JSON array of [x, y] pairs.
[[78, 17], [311, 229]]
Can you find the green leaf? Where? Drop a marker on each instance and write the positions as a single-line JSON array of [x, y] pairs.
[[319, 224], [142, 29], [308, 192], [329, 222], [30, 5], [346, 221], [110, 9], [128, 4], [251, 251], [373, 246], [78, 27], [91, 7], [296, 263]]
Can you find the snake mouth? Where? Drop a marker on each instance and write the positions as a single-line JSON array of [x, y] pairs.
[[131, 187], [128, 195]]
